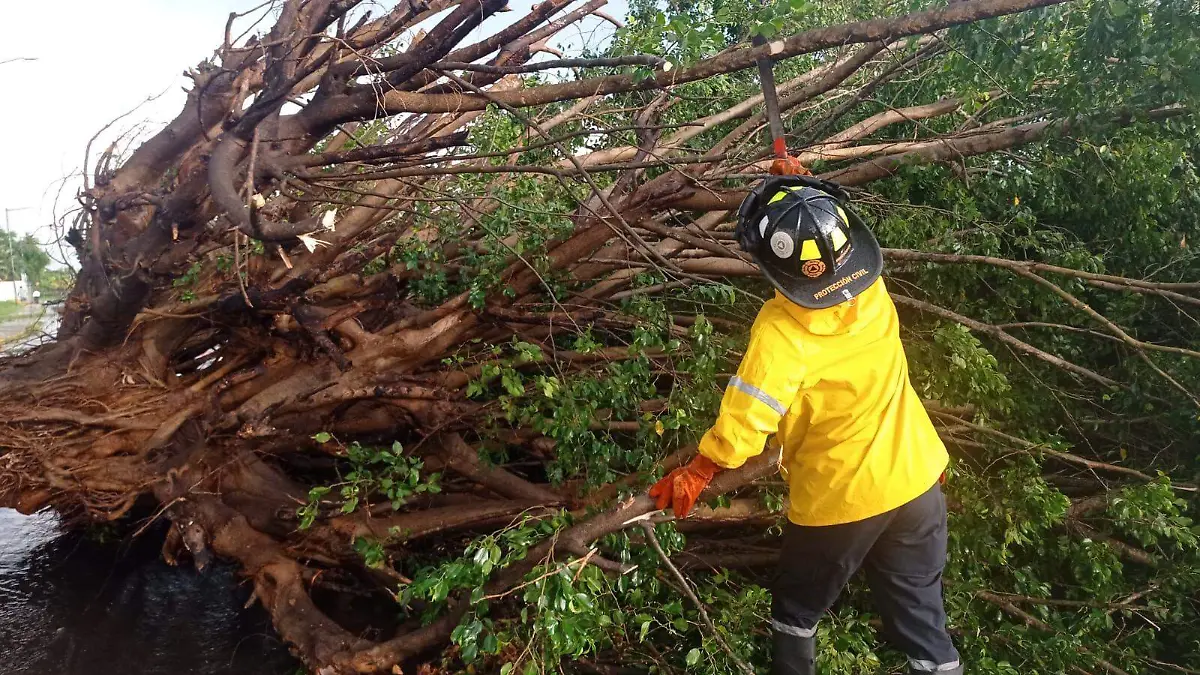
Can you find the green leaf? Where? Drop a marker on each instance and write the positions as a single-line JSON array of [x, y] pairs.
[[693, 657], [481, 555], [489, 644], [512, 383], [323, 437]]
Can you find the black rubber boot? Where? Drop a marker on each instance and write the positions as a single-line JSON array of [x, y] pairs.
[[957, 670], [793, 655]]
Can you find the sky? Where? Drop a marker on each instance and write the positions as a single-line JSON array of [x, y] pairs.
[[82, 63]]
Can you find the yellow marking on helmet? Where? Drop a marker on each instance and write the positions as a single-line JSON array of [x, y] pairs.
[[783, 193], [809, 250], [839, 234], [839, 238]]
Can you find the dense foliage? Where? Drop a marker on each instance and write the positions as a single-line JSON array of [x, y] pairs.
[[22, 257], [1028, 591]]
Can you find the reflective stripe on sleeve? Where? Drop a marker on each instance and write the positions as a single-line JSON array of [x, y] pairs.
[[747, 388], [780, 627], [931, 667]]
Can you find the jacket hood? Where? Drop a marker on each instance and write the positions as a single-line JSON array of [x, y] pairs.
[[848, 317]]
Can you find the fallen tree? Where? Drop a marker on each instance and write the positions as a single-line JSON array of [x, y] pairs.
[[389, 314]]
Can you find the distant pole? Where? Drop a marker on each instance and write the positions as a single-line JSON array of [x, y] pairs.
[[12, 265]]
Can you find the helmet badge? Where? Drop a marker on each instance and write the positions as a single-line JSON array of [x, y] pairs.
[[782, 245], [813, 268]]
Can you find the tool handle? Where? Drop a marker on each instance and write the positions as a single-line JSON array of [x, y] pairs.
[[779, 145], [766, 80]]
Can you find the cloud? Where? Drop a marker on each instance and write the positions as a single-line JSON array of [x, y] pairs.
[[82, 63], [92, 61]]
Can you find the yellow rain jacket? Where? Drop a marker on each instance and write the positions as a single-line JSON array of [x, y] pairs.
[[833, 385]]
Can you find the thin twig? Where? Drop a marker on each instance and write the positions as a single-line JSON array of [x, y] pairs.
[[636, 60], [1034, 622], [626, 230], [1023, 444], [687, 590], [1110, 326], [252, 204]]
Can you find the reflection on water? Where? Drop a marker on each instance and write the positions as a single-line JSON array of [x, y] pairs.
[[73, 604]]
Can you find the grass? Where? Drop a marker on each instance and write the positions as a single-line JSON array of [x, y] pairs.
[[9, 308]]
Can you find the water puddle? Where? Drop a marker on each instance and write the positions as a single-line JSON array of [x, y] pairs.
[[81, 603]]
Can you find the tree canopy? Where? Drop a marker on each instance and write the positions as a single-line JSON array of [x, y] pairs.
[[22, 256], [393, 316]]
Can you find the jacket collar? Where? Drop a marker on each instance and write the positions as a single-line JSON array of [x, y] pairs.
[[846, 318]]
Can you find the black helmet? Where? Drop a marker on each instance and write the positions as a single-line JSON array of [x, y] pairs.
[[808, 241]]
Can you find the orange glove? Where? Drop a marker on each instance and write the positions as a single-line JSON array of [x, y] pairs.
[[680, 488], [789, 166]]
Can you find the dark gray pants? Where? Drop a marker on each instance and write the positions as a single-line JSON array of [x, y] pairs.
[[903, 551]]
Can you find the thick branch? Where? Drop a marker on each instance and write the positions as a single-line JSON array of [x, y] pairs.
[[875, 30]]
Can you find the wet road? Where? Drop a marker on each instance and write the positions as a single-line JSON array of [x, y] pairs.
[[16, 333], [85, 602], [15, 323]]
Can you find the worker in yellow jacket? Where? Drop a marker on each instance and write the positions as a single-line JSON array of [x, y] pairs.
[[826, 374]]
